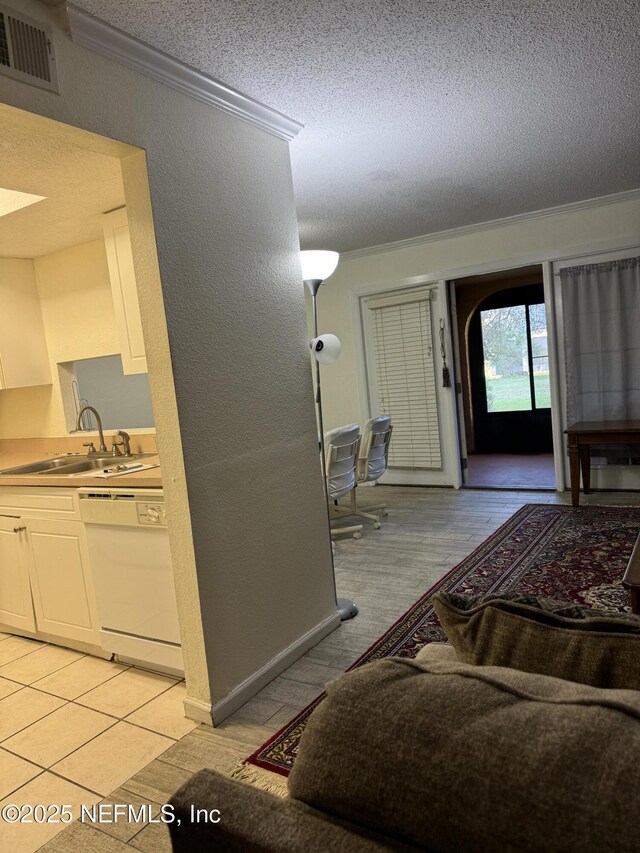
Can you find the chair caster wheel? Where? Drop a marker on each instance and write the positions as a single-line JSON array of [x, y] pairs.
[[384, 512], [357, 535], [376, 525]]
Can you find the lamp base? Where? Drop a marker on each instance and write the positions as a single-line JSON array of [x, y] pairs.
[[347, 609]]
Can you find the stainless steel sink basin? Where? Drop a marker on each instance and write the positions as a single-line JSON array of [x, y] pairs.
[[79, 466], [70, 464], [43, 465]]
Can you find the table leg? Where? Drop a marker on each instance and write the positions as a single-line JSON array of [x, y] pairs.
[[585, 465], [635, 601], [574, 467]]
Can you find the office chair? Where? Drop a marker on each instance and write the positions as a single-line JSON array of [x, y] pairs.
[[373, 459], [341, 447]]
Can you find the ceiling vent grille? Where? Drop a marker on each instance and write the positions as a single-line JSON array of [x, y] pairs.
[[26, 50]]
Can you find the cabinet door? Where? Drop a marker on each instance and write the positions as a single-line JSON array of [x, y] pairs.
[[61, 580], [125, 292], [16, 607]]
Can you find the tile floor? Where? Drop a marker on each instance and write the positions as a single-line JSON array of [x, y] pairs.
[[428, 531], [73, 728]]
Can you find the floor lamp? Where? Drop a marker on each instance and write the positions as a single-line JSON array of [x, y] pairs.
[[316, 267]]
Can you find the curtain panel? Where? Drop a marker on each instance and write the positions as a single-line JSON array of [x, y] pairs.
[[601, 316]]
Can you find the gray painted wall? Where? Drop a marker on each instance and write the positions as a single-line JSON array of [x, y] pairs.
[[227, 244]]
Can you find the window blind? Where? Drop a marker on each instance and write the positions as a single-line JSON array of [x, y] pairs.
[[403, 383]]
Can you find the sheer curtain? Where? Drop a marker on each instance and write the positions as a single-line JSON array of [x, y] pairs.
[[601, 314]]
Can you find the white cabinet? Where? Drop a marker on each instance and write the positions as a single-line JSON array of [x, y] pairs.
[[61, 581], [124, 291], [16, 608], [23, 350], [46, 586]]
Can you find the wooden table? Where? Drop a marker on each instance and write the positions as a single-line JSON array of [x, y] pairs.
[[582, 435], [631, 578]]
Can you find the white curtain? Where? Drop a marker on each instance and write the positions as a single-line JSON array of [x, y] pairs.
[[601, 315]]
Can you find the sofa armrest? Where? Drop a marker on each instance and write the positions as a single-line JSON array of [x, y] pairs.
[[253, 820]]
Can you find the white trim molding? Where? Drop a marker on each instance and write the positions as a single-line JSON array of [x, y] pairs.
[[196, 709], [250, 686], [452, 233], [97, 35]]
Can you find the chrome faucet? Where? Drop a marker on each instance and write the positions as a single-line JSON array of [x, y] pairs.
[[124, 443], [103, 446]]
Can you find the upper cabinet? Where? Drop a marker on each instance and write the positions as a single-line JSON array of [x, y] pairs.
[[125, 292], [23, 350]]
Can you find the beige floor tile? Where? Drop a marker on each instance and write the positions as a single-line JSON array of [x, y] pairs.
[[165, 714], [8, 687], [23, 708], [4, 636], [16, 647], [44, 789], [126, 692], [14, 772], [38, 664], [111, 758], [80, 677], [56, 735]]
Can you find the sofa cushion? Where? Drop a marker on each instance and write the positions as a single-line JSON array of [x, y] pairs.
[[536, 635], [253, 821], [482, 759], [437, 652]]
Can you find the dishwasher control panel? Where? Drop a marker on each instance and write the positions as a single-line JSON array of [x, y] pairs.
[[152, 513], [123, 507]]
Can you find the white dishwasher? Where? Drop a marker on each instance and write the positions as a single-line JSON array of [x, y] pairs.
[[128, 546]]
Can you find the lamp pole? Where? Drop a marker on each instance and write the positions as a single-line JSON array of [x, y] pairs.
[[347, 609]]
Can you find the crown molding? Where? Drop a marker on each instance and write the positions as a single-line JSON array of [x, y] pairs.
[[452, 233], [96, 35]]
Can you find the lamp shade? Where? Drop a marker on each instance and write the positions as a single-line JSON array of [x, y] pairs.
[[318, 264], [326, 348]]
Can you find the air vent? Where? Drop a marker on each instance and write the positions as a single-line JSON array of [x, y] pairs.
[[26, 50]]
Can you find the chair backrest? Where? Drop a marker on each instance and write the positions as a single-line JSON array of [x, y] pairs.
[[374, 449], [341, 446]]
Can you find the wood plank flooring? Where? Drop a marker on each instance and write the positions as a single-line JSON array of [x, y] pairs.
[[427, 532]]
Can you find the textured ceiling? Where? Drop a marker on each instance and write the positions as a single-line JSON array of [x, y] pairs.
[[422, 115], [79, 185]]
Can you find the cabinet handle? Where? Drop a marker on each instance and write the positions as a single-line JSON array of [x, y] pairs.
[[19, 529]]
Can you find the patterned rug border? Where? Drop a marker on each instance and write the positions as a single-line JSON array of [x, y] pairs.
[[491, 542]]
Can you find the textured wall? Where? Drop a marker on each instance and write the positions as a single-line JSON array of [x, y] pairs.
[[227, 246]]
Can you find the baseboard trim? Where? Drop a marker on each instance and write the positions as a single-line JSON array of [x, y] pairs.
[[197, 710], [250, 686]]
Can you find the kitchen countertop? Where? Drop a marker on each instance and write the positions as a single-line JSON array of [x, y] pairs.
[[151, 478]]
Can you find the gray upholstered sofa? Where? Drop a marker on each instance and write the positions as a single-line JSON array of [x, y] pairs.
[[433, 754]]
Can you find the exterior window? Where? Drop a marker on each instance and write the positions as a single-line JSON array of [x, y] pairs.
[[516, 360]]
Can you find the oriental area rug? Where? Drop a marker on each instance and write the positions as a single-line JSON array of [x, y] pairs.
[[576, 554]]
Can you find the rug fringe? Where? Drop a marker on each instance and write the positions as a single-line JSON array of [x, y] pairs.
[[258, 777]]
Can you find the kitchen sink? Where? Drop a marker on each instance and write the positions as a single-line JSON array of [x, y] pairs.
[[70, 464]]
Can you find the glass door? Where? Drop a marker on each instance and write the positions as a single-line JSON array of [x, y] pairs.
[[509, 369]]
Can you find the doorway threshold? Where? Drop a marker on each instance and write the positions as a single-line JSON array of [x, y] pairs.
[[531, 471]]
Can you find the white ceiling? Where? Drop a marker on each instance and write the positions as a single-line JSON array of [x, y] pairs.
[[78, 184], [423, 115]]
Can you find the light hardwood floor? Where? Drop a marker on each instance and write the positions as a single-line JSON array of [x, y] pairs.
[[428, 531]]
